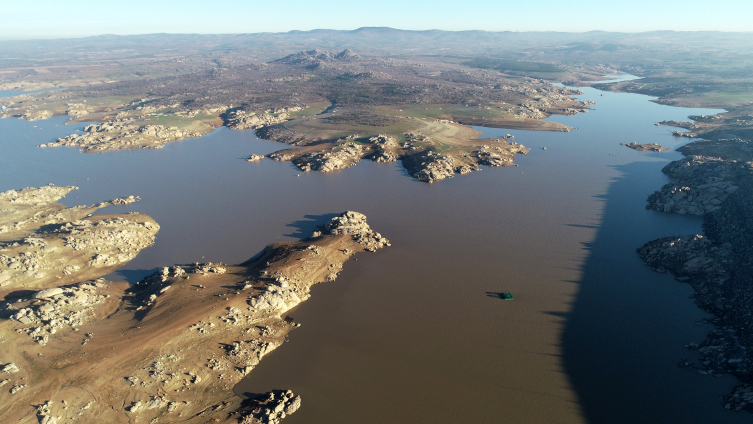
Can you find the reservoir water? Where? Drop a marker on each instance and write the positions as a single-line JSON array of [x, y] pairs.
[[415, 333]]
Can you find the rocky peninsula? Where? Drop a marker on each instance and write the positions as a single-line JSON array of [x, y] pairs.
[[122, 134], [170, 348]]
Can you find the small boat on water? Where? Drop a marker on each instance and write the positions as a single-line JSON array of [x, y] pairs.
[[506, 296]]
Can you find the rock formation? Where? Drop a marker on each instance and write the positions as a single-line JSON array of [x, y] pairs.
[[334, 160], [46, 244], [122, 134], [59, 308], [254, 158], [423, 164], [241, 120], [702, 183], [271, 407], [171, 347], [652, 147], [716, 265]]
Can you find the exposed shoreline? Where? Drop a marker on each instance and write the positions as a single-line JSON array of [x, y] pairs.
[[712, 182], [173, 346], [327, 105]]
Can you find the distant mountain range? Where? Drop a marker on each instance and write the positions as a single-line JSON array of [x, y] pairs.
[[379, 40]]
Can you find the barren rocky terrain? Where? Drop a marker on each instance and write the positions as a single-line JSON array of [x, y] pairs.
[[330, 105], [44, 244], [410, 97], [714, 182], [170, 348]]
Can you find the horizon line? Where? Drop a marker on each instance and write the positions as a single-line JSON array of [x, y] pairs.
[[371, 28]]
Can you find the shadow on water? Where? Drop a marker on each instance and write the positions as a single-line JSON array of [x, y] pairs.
[[497, 295], [249, 396], [303, 228], [20, 294], [582, 226], [132, 276], [254, 258], [625, 333]]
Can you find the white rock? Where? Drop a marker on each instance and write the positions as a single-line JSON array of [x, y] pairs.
[[293, 406], [47, 293], [10, 368]]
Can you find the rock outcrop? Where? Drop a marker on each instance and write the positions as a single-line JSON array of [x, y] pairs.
[[255, 158], [716, 265], [501, 155], [20, 209], [652, 147], [271, 407], [384, 148], [687, 257], [704, 264], [430, 167], [35, 115], [50, 245], [334, 160], [314, 58], [75, 248], [56, 309], [702, 183], [354, 223], [122, 134], [242, 120]]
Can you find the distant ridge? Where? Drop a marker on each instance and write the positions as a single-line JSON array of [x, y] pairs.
[[377, 40]]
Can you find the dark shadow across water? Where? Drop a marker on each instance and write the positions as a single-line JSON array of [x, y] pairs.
[[625, 334], [409, 334]]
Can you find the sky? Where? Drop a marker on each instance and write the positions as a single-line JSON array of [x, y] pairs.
[[29, 19]]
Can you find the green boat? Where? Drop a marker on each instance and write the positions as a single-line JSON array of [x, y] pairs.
[[506, 296]]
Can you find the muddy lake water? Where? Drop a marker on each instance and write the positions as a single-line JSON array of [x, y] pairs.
[[415, 333]]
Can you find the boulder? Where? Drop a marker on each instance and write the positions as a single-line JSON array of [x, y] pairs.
[[47, 293]]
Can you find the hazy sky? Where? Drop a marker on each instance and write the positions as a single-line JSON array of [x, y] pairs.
[[75, 18]]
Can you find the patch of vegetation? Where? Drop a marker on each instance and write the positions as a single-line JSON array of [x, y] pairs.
[[362, 119]]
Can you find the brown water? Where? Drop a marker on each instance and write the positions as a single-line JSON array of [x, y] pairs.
[[410, 333]]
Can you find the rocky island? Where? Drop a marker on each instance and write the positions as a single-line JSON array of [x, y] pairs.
[[651, 147], [422, 163]]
